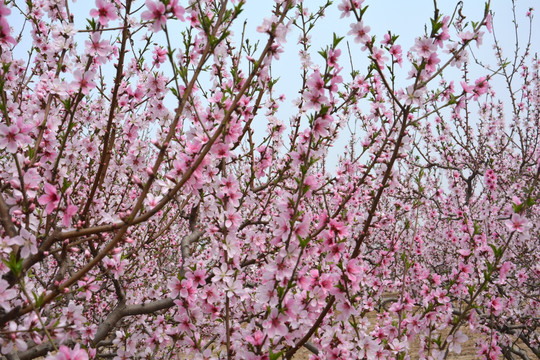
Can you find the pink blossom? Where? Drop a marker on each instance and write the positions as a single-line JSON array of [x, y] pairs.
[[503, 271], [174, 286], [198, 277], [360, 33], [4, 9], [424, 47], [221, 273], [6, 294], [73, 314], [98, 48], [177, 10], [444, 34], [232, 219], [315, 99], [378, 56], [187, 290], [155, 14], [160, 55], [5, 31], [106, 12], [466, 36], [466, 88], [29, 243], [345, 8], [459, 57], [50, 199], [398, 346], [275, 324], [396, 51], [65, 353], [496, 305], [257, 338], [481, 87], [14, 341], [10, 137], [432, 61], [455, 342], [333, 57], [83, 81], [221, 150], [315, 83], [517, 223], [338, 228], [489, 23], [68, 214], [368, 347]]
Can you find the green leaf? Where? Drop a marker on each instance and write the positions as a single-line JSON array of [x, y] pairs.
[[275, 356], [91, 24], [518, 208], [436, 25], [363, 10], [38, 299], [477, 230], [14, 265], [66, 185], [336, 40], [453, 100], [175, 93], [304, 242]]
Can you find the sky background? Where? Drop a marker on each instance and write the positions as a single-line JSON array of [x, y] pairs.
[[405, 18]]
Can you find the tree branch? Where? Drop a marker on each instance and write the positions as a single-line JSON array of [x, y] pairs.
[[123, 310]]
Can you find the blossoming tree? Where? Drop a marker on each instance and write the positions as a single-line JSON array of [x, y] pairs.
[[154, 204]]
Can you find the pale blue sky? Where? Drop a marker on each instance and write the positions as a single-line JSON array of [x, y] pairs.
[[405, 18]]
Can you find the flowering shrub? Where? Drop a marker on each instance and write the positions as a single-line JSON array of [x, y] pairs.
[[155, 204]]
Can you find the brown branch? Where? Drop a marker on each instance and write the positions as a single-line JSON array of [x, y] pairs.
[[107, 147], [123, 310], [5, 218]]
